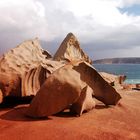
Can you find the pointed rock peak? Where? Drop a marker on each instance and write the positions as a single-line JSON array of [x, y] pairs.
[[70, 50]]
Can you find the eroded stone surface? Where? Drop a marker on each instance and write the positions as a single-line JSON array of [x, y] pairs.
[[24, 68], [28, 69], [65, 86], [102, 90], [70, 50], [62, 88]]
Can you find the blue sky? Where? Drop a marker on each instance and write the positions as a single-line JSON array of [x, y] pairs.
[[134, 9], [104, 31]]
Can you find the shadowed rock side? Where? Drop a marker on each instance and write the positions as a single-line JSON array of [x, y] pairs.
[[101, 89], [68, 86], [10, 84], [24, 68], [84, 103], [34, 78], [70, 50]]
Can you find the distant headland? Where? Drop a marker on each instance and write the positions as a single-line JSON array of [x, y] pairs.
[[126, 60]]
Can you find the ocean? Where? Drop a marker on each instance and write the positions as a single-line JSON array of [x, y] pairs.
[[132, 71]]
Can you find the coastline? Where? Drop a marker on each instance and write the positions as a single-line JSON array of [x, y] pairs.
[[131, 71]]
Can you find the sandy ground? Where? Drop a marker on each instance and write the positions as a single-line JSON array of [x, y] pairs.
[[121, 122]]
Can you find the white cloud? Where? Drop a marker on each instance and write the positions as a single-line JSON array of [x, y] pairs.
[[127, 3], [94, 22], [103, 12], [26, 16]]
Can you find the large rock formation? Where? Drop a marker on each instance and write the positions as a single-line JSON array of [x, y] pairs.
[[69, 86], [61, 89], [28, 70], [70, 50], [24, 69]]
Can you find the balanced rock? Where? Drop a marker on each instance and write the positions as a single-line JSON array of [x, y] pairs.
[[70, 50], [68, 86]]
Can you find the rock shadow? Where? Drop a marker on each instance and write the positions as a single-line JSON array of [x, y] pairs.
[[101, 106], [19, 114], [10, 102], [66, 114]]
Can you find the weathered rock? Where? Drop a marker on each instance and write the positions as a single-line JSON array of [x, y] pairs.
[[126, 86], [65, 86], [24, 68], [138, 86], [102, 90], [25, 56], [84, 103], [10, 84], [70, 50], [62, 88], [121, 79], [110, 78], [1, 96], [34, 78]]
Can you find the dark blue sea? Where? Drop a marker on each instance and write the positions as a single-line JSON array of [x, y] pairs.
[[132, 71]]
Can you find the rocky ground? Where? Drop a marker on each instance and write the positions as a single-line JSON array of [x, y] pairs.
[[120, 122]]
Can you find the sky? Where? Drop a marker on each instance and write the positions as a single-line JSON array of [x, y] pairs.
[[104, 28]]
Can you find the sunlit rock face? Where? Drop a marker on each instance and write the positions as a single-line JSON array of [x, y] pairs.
[[73, 84], [70, 50], [20, 59], [1, 96], [24, 69]]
